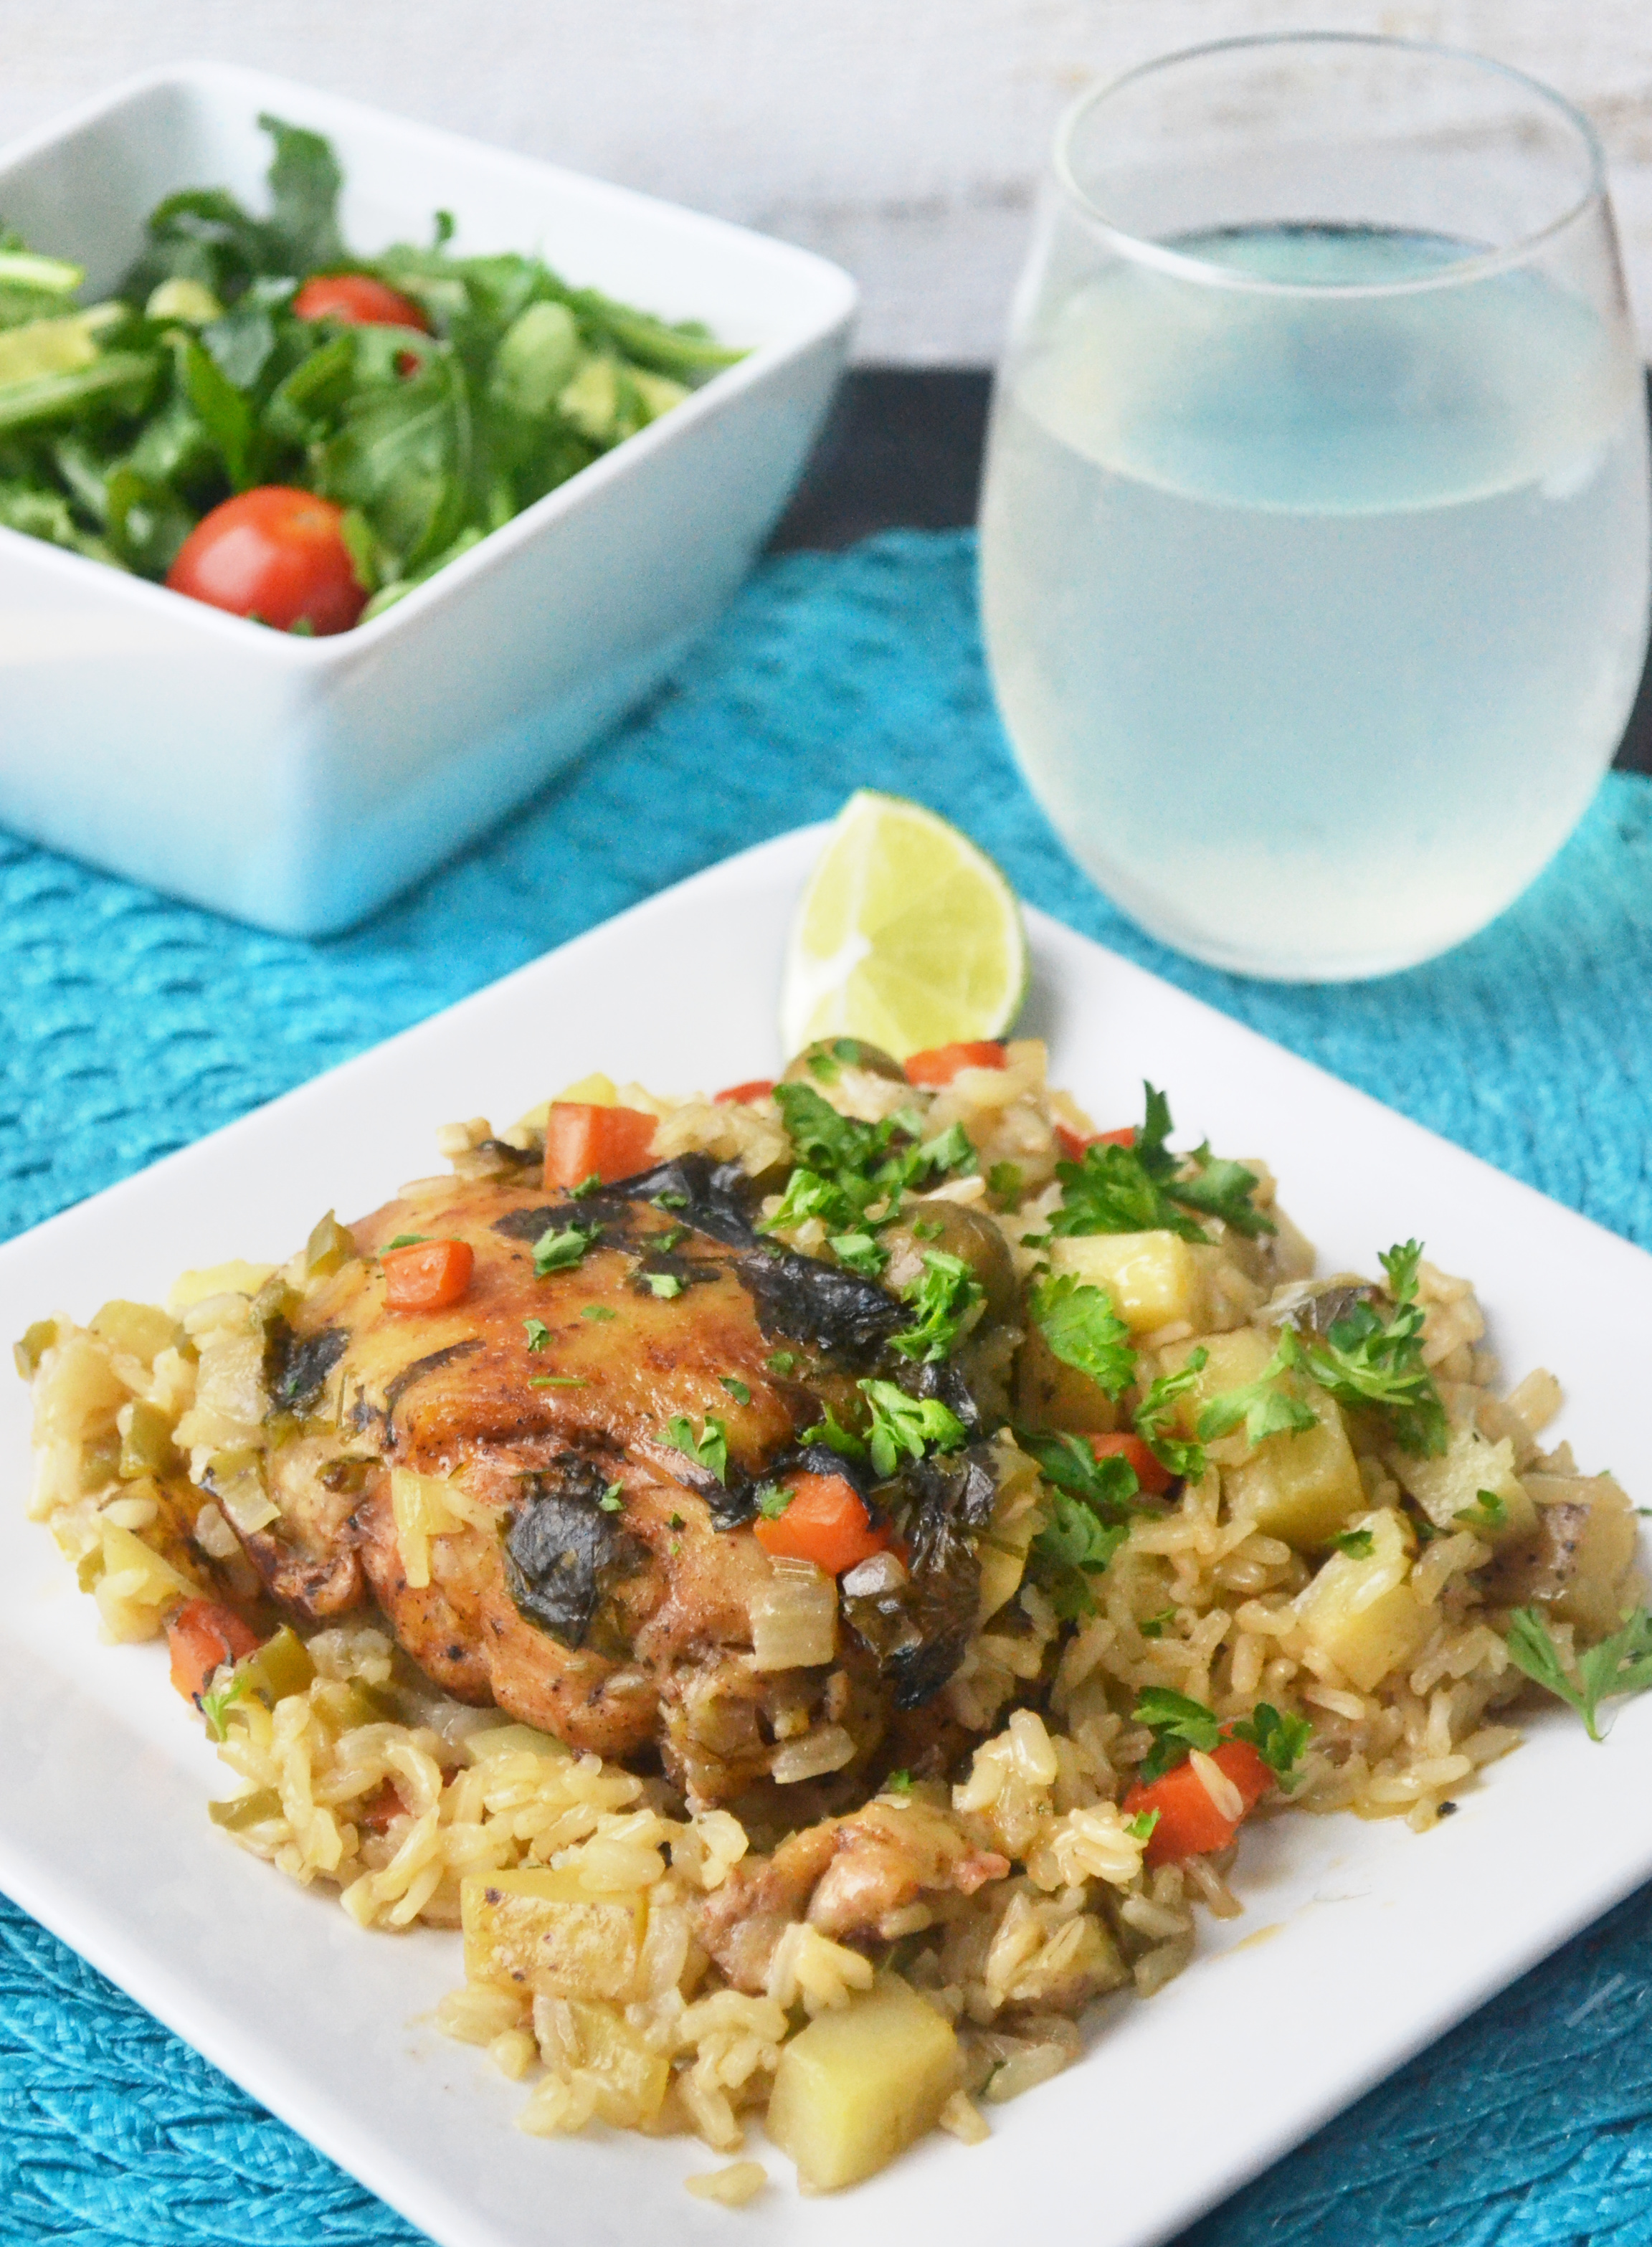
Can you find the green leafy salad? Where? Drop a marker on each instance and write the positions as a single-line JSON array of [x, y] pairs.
[[358, 422]]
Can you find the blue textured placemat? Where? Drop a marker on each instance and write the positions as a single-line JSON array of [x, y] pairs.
[[130, 1025]]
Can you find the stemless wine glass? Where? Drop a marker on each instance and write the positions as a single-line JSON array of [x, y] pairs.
[[1314, 536]]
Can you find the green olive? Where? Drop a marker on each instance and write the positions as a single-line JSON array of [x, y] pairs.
[[819, 1063], [965, 1233]]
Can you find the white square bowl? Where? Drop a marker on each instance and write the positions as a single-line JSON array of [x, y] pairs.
[[299, 783]]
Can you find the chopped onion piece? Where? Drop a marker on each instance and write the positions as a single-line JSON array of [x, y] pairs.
[[794, 1619], [828, 1748]]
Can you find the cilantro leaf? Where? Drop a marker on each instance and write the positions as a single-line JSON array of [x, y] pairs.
[[1083, 1331], [1155, 1625], [599, 1312], [407, 1240], [1280, 1741], [663, 1284], [613, 1498], [781, 1361], [904, 1426], [736, 1387], [1621, 1664], [1488, 1512], [844, 1166], [899, 1782], [1224, 1190], [1141, 1826], [1177, 1725], [561, 1252], [1175, 1456], [709, 1449], [1366, 1360], [591, 1184], [941, 1301], [537, 1332], [1358, 1544], [772, 1498], [1004, 1180], [1266, 1409]]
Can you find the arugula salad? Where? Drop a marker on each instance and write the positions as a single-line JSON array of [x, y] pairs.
[[260, 419]]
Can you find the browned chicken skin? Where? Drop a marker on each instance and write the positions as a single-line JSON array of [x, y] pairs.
[[595, 1597]]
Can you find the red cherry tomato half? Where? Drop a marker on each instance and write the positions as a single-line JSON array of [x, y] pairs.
[[359, 301], [275, 553]]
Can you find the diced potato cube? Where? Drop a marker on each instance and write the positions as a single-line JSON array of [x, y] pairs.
[[1232, 1361], [139, 1330], [1301, 1486], [1447, 1488], [632, 2080], [136, 1586], [1589, 1533], [1051, 1394], [537, 1929], [1017, 1515], [860, 2085], [237, 1278], [1154, 1278], [1360, 1611]]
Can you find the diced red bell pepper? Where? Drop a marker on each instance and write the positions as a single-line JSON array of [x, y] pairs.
[[1072, 1143], [940, 1064], [827, 1522], [1152, 1475], [582, 1141], [755, 1088], [201, 1637], [429, 1276], [1190, 1824]]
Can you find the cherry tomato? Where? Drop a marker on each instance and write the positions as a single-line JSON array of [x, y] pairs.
[[275, 553], [359, 301]]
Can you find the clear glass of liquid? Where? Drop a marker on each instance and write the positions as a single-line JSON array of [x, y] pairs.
[[1314, 535]]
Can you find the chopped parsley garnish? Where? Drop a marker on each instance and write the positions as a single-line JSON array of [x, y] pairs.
[[1621, 1664], [675, 1521], [1083, 1331], [587, 1186], [899, 1782], [558, 1381], [736, 1387], [708, 1450], [539, 1332], [215, 1706], [1141, 1189], [561, 1252], [1178, 1725], [844, 1167], [1358, 1544], [598, 1311], [1365, 1360], [905, 1426], [1140, 1828], [1175, 1456], [613, 1498], [1091, 1502], [781, 1361], [859, 1252], [1155, 1625], [663, 1284], [667, 1200], [901, 1427], [832, 1432], [407, 1240], [1004, 1180], [1266, 1409], [941, 1301], [1073, 1546], [1280, 1741], [772, 1498], [1488, 1512]]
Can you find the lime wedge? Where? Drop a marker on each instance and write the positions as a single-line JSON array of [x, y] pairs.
[[906, 935]]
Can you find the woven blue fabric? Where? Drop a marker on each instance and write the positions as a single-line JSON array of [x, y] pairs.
[[130, 1025]]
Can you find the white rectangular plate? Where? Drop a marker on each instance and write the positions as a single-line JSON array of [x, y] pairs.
[[1375, 1939]]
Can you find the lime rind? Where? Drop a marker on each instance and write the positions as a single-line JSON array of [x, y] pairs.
[[906, 934]]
